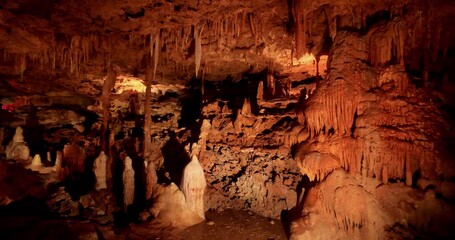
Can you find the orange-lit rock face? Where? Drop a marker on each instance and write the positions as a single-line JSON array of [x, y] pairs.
[[334, 116]]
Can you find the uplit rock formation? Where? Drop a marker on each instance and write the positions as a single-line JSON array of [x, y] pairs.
[[36, 162], [152, 179], [17, 149], [58, 161], [128, 183], [99, 168], [193, 186], [170, 208]]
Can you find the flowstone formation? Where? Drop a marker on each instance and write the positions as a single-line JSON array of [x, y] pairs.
[[367, 131]]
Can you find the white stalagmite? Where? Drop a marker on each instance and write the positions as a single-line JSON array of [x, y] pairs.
[[193, 186], [128, 183], [17, 149], [99, 168], [18, 135], [152, 179]]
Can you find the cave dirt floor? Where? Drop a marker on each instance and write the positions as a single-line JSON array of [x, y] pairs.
[[227, 224]]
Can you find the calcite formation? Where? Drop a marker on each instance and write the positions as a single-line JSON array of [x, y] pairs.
[[128, 183], [36, 162], [17, 149], [152, 179], [99, 168], [193, 187], [170, 208], [58, 161]]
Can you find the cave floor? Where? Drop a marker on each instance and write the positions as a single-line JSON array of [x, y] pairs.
[[227, 224], [231, 224]]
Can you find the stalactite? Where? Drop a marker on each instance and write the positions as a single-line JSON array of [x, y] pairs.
[[299, 13], [331, 111], [198, 48], [253, 27], [372, 156], [387, 43], [147, 115], [156, 54]]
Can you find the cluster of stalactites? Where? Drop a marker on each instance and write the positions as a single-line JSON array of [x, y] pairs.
[[387, 44], [208, 31], [69, 54], [373, 156], [332, 111], [338, 15]]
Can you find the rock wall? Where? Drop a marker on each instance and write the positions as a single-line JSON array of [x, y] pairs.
[[247, 167], [368, 134]]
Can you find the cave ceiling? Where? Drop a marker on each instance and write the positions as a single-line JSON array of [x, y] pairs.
[[74, 41]]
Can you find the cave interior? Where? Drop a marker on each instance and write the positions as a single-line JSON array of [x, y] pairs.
[[227, 119]]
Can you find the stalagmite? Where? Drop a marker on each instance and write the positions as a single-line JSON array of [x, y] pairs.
[[246, 107], [58, 161], [17, 149], [193, 186], [36, 162], [238, 121], [260, 92], [152, 179], [271, 84], [128, 183], [99, 168]]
